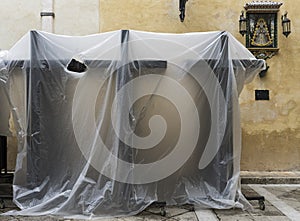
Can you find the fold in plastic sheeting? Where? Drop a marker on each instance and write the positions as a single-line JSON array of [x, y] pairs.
[[110, 123]]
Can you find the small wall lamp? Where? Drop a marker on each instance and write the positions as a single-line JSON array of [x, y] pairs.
[[243, 24], [286, 25]]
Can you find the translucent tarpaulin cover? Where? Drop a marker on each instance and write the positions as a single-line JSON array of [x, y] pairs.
[[4, 103], [110, 123]]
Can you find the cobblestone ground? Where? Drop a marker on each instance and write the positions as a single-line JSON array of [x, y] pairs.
[[282, 203]]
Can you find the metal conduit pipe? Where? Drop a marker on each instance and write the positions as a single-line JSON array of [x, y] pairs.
[[47, 15]]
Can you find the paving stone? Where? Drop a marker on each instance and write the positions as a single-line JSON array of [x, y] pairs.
[[189, 216], [244, 217], [229, 212], [270, 218], [289, 194]]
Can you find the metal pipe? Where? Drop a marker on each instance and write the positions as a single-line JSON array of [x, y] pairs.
[[47, 15]]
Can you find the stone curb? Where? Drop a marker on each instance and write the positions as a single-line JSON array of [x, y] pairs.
[[270, 180], [265, 177]]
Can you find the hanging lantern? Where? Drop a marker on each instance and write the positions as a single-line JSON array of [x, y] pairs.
[[242, 24], [286, 25]]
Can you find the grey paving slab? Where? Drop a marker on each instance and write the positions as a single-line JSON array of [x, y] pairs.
[[206, 215], [289, 194], [230, 212], [29, 218], [189, 216], [172, 213], [288, 210], [271, 218], [244, 217], [170, 210]]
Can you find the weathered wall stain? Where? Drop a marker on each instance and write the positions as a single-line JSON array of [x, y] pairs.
[[263, 150]]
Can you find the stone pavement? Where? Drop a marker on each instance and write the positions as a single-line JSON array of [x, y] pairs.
[[282, 203]]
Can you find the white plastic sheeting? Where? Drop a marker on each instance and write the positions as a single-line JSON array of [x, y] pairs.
[[4, 103], [110, 123]]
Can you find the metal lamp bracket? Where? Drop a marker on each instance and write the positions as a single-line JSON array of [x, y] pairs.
[[182, 9]]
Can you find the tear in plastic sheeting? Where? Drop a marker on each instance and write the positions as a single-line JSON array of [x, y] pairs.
[[107, 124]]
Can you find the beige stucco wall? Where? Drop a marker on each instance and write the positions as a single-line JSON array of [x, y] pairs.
[[163, 16], [270, 128], [16, 18], [76, 17]]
